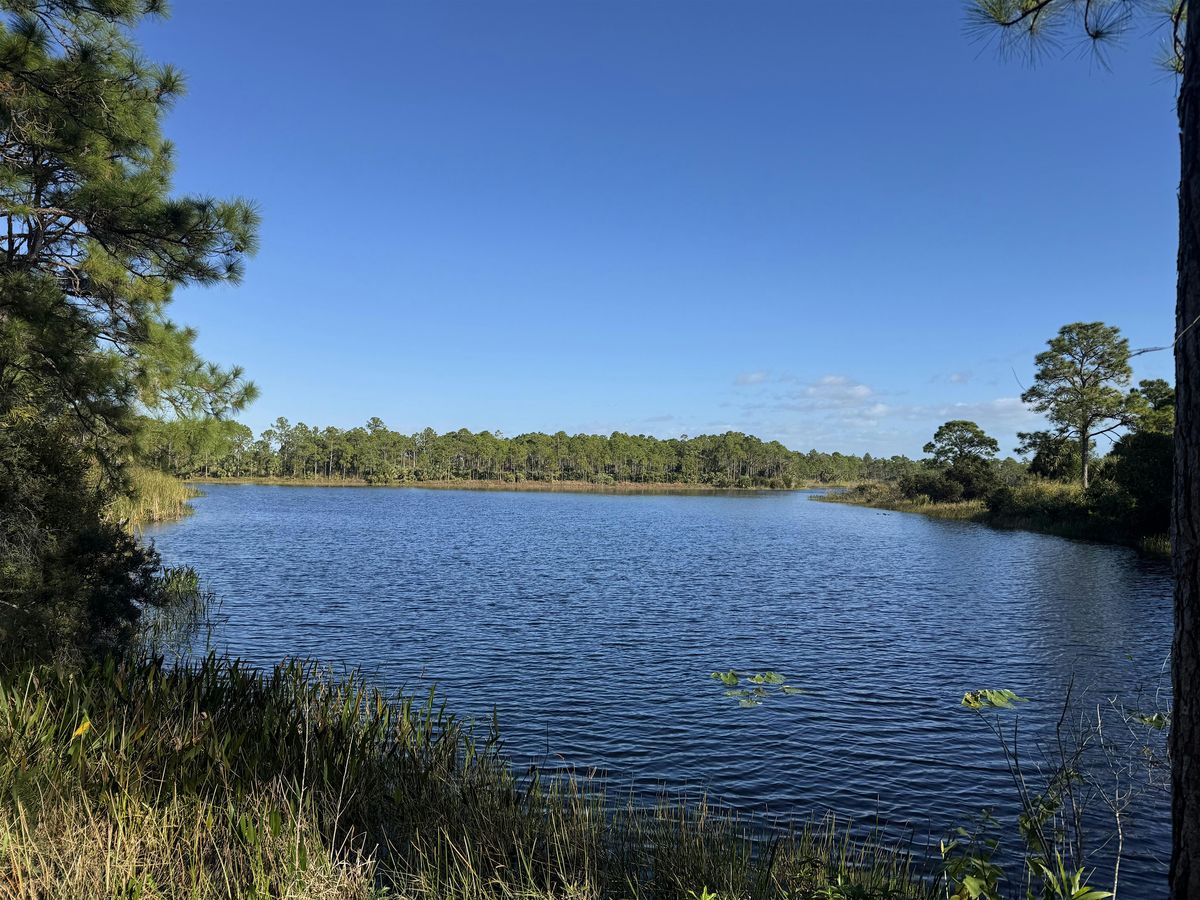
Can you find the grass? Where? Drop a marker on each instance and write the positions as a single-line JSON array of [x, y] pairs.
[[154, 496], [878, 495], [212, 779]]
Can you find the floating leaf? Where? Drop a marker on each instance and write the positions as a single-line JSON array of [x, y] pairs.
[[749, 703], [788, 689], [741, 693], [768, 678], [1158, 721], [729, 679], [992, 699]]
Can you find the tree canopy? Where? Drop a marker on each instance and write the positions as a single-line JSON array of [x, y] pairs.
[[1079, 384], [959, 439]]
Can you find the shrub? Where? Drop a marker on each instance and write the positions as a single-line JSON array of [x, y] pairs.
[[74, 581], [977, 476], [1142, 464], [933, 484]]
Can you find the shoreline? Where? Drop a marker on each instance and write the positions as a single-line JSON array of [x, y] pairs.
[[565, 487], [975, 512]]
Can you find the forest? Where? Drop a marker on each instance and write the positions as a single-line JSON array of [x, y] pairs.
[[223, 448]]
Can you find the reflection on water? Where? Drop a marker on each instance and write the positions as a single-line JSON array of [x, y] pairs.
[[591, 622]]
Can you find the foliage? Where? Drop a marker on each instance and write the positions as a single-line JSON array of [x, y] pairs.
[[1128, 501], [934, 485], [1053, 455], [1142, 467], [992, 698], [1078, 384], [72, 581], [1102, 759], [94, 244], [1150, 407], [958, 440], [1029, 26]]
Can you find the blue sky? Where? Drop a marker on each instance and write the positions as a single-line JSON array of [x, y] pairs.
[[834, 229]]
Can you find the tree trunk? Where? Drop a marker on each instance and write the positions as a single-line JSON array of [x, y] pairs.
[[1185, 525], [1084, 442]]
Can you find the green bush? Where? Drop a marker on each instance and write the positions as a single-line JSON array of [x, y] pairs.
[[933, 484], [977, 477], [1142, 464], [74, 581]]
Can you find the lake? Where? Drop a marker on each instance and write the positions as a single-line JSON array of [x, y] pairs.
[[591, 623]]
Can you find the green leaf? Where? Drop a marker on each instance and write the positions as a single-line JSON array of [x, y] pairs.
[[747, 704], [992, 699], [788, 689], [975, 886], [1157, 721], [729, 679], [767, 678]]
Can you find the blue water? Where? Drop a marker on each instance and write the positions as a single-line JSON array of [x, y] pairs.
[[591, 623]]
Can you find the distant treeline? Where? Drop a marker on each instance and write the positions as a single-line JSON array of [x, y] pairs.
[[378, 455]]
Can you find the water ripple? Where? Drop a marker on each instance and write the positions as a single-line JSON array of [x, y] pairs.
[[590, 623]]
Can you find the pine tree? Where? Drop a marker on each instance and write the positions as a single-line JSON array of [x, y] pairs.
[[92, 245]]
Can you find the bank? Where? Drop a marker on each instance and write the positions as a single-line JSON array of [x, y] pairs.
[[1038, 506]]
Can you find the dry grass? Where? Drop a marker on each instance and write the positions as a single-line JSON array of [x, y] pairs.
[[71, 847]]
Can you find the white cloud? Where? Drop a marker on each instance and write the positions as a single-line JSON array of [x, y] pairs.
[[748, 378]]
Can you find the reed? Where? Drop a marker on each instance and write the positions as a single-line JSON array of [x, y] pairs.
[[153, 496]]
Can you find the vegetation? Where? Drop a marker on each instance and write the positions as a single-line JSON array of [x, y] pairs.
[[213, 779], [377, 455], [1078, 385], [1129, 499], [152, 496], [92, 246], [958, 440]]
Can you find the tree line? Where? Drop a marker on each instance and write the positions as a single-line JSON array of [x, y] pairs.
[[373, 453]]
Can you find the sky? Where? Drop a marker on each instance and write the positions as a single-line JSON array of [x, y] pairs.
[[833, 229]]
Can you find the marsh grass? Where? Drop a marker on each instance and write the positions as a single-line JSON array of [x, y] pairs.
[[153, 496], [878, 495], [213, 779]]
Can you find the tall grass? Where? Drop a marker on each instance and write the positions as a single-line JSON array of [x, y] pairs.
[[153, 496], [213, 779]]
